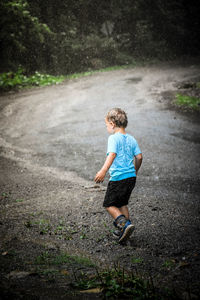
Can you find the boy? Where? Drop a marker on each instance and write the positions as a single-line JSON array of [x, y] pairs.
[[123, 160]]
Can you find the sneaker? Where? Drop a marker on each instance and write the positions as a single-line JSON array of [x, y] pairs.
[[116, 233], [126, 232]]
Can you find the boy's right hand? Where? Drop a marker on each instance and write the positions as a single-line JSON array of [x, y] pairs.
[[102, 173], [100, 176]]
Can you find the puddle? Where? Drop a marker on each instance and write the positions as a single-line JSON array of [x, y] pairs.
[[188, 136], [134, 79]]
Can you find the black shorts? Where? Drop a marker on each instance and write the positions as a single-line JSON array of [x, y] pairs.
[[118, 192]]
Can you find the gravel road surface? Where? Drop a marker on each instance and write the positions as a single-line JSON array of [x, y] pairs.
[[53, 141]]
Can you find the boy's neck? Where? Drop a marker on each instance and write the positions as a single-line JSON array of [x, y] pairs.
[[119, 129]]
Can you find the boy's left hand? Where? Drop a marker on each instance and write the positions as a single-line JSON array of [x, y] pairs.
[[100, 176]]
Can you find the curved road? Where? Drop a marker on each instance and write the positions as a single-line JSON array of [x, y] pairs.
[[63, 127], [59, 131]]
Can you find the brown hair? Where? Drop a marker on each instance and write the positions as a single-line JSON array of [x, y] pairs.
[[118, 117]]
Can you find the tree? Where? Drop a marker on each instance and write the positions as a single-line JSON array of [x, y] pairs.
[[21, 36]]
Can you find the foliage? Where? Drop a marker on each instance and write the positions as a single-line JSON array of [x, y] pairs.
[[63, 37], [18, 80], [21, 36], [188, 102], [116, 283]]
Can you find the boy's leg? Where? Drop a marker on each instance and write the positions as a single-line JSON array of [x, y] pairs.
[[114, 211], [121, 222], [124, 211]]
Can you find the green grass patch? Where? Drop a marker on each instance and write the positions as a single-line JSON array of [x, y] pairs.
[[136, 260], [18, 80], [5, 195], [19, 200], [169, 264], [188, 102], [60, 259], [89, 73]]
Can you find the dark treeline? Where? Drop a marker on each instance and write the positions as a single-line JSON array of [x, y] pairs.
[[66, 36]]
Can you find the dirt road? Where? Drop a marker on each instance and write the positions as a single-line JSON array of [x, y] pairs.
[[53, 141]]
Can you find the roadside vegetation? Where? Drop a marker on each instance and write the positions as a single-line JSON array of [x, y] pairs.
[[18, 80], [80, 276], [65, 37], [188, 102]]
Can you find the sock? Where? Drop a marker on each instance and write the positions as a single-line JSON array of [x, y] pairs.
[[118, 218]]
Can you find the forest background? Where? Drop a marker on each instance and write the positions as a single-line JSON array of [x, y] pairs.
[[64, 37]]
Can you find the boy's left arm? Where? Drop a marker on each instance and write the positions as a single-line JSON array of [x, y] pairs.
[[102, 173], [138, 162]]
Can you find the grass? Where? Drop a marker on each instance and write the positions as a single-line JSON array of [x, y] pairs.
[[5, 195], [117, 283], [19, 200], [89, 73], [18, 80], [169, 264], [112, 283], [184, 101], [82, 276], [46, 227], [136, 260], [62, 258]]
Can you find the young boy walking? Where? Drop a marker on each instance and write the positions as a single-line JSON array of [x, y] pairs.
[[123, 161]]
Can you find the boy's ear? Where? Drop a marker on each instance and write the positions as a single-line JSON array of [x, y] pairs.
[[113, 124]]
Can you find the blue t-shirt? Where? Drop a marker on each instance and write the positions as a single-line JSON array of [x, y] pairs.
[[126, 147]]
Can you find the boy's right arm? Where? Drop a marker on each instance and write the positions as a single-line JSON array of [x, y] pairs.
[[102, 173]]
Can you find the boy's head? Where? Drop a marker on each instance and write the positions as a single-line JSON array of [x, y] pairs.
[[118, 117]]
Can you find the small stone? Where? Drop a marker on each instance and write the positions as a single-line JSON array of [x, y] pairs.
[[18, 274]]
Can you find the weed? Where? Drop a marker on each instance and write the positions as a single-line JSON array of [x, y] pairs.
[[80, 260], [116, 282], [135, 260], [85, 283], [37, 213], [49, 272], [5, 195], [72, 230], [58, 230], [188, 101], [67, 237], [83, 236], [100, 238], [19, 200], [28, 224], [43, 259], [169, 264], [44, 226]]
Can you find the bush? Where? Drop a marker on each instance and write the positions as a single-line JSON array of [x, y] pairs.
[[11, 80]]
